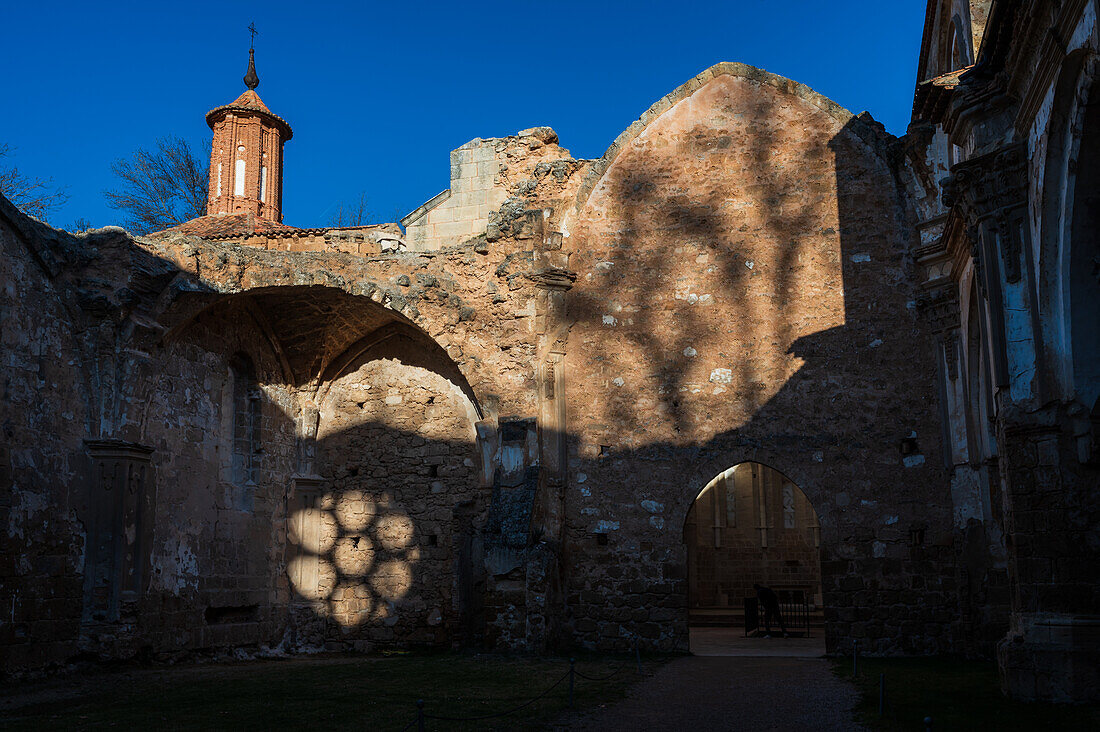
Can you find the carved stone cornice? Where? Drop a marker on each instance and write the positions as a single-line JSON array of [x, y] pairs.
[[941, 307], [980, 97], [1039, 49], [989, 194], [939, 304]]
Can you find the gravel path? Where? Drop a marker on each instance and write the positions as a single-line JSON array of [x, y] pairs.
[[732, 693]]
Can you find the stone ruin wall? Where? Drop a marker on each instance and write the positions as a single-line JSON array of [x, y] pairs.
[[217, 574], [744, 292], [364, 241], [683, 360], [498, 187], [216, 559], [400, 461], [204, 551], [41, 538]]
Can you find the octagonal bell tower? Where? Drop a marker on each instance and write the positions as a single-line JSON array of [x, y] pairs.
[[246, 156]]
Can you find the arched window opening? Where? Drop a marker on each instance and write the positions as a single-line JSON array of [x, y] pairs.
[[238, 179], [751, 526], [955, 54], [247, 445], [1084, 258], [1053, 246]]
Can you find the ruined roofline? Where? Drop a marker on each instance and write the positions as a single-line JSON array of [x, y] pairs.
[[543, 133], [53, 249], [287, 233], [425, 207], [870, 132], [257, 227]]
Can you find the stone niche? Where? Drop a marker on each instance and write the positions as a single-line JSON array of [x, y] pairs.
[[118, 520]]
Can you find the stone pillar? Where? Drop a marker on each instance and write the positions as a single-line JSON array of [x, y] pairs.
[[304, 536], [550, 373], [1052, 649], [987, 196], [544, 566], [303, 516]]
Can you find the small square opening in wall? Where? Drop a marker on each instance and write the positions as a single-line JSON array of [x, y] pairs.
[[908, 446], [601, 539], [433, 471], [916, 537], [605, 450], [433, 540]]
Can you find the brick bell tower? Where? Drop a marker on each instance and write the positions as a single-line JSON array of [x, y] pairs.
[[246, 156]]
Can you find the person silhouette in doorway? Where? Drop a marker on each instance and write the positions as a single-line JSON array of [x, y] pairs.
[[770, 604]]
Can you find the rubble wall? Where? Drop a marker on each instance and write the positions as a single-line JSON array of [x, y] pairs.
[[398, 454], [42, 421], [744, 292], [216, 556]]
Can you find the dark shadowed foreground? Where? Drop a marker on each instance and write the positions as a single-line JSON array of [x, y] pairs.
[[733, 693], [330, 693]]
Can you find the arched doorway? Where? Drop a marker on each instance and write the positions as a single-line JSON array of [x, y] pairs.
[[752, 525]]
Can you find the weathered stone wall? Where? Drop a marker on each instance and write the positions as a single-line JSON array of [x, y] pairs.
[[217, 555], [42, 421], [198, 561], [1004, 267], [397, 450], [744, 292], [155, 378], [361, 240], [498, 187], [452, 446]]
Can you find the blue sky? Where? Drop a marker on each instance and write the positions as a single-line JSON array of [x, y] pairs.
[[379, 93]]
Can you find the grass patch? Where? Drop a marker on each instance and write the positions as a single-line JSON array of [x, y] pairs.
[[376, 693], [957, 694]]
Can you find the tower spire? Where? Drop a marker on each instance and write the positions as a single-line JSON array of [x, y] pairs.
[[246, 153], [251, 80]]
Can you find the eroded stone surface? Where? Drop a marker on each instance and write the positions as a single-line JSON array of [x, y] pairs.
[[489, 430]]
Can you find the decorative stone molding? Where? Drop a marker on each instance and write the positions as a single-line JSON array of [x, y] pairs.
[[941, 307], [988, 194]]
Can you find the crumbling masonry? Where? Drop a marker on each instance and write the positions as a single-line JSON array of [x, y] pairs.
[[488, 427]]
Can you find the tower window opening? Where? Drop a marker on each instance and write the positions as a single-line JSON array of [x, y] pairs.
[[238, 182]]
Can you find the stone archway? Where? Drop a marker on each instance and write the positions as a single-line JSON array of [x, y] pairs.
[[751, 525]]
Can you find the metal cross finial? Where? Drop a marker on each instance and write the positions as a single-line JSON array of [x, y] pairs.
[[250, 79]]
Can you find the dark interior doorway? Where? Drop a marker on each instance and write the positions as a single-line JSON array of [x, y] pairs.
[[752, 525]]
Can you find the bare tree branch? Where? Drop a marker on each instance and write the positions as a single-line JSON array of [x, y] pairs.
[[162, 188], [355, 213], [34, 196]]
